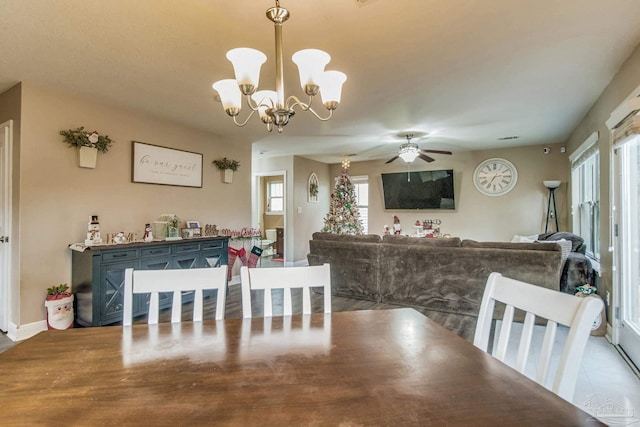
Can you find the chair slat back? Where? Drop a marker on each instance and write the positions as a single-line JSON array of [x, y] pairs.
[[175, 281], [286, 278], [558, 308]]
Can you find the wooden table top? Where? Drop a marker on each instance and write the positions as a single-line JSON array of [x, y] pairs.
[[360, 368]]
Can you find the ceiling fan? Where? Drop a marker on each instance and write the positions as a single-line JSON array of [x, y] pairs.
[[409, 151]]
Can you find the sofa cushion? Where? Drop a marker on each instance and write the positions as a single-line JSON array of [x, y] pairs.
[[365, 238], [466, 243], [454, 242]]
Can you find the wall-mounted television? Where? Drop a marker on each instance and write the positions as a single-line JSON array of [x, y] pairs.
[[419, 190]]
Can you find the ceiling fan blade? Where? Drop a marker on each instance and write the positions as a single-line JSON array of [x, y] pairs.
[[383, 155], [392, 159], [426, 158], [436, 151]]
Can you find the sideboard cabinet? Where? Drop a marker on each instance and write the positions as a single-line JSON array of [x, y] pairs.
[[98, 273]]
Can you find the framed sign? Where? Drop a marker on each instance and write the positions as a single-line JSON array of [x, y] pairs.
[[152, 164]]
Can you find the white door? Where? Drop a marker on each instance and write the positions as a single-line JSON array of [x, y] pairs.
[[5, 221], [627, 235]]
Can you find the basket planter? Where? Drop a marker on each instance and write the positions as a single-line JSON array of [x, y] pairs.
[[59, 311], [88, 157], [227, 176]]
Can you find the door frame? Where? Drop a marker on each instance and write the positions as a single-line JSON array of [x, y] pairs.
[[6, 284], [624, 335], [256, 191]]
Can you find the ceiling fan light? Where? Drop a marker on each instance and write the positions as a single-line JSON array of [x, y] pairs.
[[246, 65], [408, 156], [266, 99], [230, 95], [311, 63], [331, 88]]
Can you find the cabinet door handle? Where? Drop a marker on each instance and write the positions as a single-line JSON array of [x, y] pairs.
[[4, 239], [119, 255]]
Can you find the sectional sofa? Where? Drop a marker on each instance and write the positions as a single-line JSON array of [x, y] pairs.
[[442, 275]]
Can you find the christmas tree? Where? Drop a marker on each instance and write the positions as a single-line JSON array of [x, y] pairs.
[[343, 216]]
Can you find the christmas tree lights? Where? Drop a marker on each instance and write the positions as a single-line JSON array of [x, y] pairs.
[[343, 216]]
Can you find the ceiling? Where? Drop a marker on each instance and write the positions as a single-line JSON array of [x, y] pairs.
[[461, 73]]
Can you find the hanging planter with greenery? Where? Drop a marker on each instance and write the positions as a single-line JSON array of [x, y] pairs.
[[88, 145], [227, 167]]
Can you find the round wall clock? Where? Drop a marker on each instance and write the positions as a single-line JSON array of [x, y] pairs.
[[495, 177]]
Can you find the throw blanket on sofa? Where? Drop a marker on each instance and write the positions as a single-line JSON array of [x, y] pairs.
[[577, 270]]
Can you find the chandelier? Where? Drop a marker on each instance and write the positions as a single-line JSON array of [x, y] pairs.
[[273, 109]]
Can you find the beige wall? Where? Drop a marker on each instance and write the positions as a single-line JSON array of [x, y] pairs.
[[57, 197], [298, 226], [624, 82], [310, 218], [478, 217]]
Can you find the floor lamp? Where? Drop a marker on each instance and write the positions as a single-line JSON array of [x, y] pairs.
[[552, 186]]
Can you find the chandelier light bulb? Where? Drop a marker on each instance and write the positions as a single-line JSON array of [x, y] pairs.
[[265, 99], [311, 63], [246, 64], [331, 88], [230, 95]]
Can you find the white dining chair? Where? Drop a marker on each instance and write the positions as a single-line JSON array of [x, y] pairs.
[[557, 308], [177, 282], [285, 278]]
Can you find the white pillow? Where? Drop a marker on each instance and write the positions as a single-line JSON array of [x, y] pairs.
[[523, 239]]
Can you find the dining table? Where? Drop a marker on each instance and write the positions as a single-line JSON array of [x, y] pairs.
[[390, 367]]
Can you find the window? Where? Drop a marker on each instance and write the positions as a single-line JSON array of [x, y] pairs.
[[585, 181], [275, 197], [362, 200]]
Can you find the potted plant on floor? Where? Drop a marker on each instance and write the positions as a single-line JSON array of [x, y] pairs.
[[88, 145], [59, 304], [227, 167]]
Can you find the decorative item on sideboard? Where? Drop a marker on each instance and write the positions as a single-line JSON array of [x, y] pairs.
[[93, 232], [88, 145], [228, 167], [192, 230], [172, 226], [210, 230]]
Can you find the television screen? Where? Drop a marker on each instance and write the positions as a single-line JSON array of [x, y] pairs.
[[418, 190]]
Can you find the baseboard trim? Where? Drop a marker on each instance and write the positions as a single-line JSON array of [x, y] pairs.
[[609, 334], [23, 332]]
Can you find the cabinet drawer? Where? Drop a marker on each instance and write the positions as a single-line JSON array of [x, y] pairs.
[[119, 255], [191, 247], [155, 251], [215, 244]]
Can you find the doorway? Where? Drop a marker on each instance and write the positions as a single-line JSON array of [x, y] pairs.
[[269, 215], [627, 251], [5, 223]]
